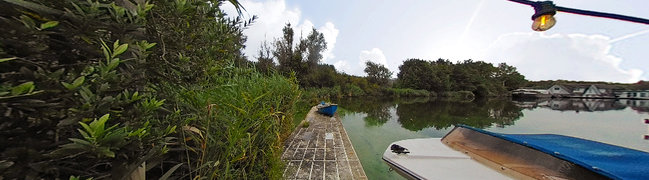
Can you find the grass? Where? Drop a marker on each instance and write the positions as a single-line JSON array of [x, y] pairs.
[[248, 116]]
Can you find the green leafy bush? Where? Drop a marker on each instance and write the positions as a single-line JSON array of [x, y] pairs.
[[98, 88]]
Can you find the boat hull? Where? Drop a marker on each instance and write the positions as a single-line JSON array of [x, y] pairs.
[[328, 110], [429, 158]]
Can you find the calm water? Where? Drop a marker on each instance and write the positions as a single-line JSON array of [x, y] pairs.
[[373, 124]]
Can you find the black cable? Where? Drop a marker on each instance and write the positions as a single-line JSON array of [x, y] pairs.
[[604, 15], [523, 2]]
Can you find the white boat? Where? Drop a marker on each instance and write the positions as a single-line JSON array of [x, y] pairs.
[[429, 158], [470, 153]]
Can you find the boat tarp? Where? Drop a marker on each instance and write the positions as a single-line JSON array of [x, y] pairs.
[[609, 160]]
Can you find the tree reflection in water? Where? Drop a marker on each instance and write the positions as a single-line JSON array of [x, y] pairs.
[[419, 113], [377, 109]]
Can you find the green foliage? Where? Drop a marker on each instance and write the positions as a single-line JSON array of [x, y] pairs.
[[415, 74], [242, 133], [407, 92], [480, 78], [153, 66], [377, 73], [99, 141]]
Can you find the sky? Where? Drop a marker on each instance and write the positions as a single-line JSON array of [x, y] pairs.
[[578, 47]]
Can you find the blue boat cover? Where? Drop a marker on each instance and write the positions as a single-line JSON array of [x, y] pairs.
[[611, 161]]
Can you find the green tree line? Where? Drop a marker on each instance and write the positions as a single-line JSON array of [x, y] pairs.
[[302, 57], [480, 78]]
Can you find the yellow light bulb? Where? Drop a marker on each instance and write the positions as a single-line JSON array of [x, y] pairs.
[[543, 22]]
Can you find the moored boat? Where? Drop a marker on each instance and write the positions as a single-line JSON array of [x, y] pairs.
[[470, 153], [327, 108]]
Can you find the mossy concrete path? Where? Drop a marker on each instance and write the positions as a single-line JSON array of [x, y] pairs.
[[321, 150]]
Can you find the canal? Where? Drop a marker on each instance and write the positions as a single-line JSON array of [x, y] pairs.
[[372, 124]]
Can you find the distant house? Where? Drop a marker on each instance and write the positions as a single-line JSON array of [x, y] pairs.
[[560, 90], [599, 91], [580, 91], [632, 94]]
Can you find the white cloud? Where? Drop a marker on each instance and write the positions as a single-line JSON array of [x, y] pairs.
[[375, 55], [272, 17], [342, 66], [571, 57], [330, 34]]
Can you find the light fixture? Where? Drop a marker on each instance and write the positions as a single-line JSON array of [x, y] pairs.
[[543, 15]]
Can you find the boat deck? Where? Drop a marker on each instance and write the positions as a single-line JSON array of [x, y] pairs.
[[321, 151]]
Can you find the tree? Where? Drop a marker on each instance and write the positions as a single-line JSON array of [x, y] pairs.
[[415, 74], [442, 70], [302, 59], [265, 62], [509, 77], [377, 73], [284, 51], [315, 45], [479, 77]]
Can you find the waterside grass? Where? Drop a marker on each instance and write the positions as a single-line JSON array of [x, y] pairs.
[[240, 133]]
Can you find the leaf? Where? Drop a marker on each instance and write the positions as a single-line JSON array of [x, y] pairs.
[[193, 129], [98, 125], [113, 64], [23, 88], [170, 172], [27, 21], [84, 134], [12, 58], [106, 152], [148, 46], [77, 82], [105, 48], [35, 7], [80, 142], [88, 129], [115, 44], [49, 24], [119, 50], [86, 94]]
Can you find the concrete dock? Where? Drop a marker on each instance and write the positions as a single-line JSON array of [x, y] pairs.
[[321, 151]]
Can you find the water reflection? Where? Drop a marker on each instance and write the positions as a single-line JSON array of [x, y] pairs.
[[420, 113], [377, 109], [443, 114], [589, 105]]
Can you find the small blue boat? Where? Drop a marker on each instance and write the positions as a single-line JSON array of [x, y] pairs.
[[327, 108]]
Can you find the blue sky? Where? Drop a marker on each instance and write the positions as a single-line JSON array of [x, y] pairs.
[[389, 32]]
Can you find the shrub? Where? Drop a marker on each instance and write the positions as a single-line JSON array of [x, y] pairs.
[[408, 92], [97, 88]]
